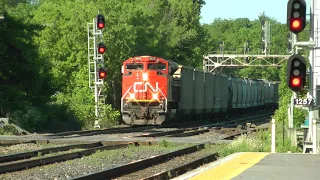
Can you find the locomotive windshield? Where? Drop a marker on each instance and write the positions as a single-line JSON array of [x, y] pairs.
[[157, 66], [137, 66]]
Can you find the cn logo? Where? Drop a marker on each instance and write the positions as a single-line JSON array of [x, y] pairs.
[[136, 84]]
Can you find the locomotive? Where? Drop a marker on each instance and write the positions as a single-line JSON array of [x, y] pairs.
[[157, 91]]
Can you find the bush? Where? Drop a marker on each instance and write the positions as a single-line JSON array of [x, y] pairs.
[[283, 142], [31, 118], [112, 117], [245, 143], [49, 118], [8, 130], [60, 118]]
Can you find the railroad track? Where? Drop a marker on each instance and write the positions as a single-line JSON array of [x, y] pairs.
[[187, 126], [27, 160], [135, 169], [101, 131], [156, 164], [240, 122], [21, 161], [4, 143], [132, 129], [146, 131], [18, 162]]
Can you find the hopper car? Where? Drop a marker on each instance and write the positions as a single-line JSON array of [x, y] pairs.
[[157, 91]]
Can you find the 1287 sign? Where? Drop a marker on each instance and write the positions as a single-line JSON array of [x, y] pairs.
[[300, 101]]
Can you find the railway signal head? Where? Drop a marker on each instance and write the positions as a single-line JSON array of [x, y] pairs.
[[100, 21], [296, 15], [296, 72], [102, 48], [102, 73]]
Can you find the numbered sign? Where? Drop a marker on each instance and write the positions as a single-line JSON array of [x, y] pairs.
[[301, 101]]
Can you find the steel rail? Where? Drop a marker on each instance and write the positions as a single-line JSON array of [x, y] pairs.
[[144, 163], [25, 164], [26, 155]]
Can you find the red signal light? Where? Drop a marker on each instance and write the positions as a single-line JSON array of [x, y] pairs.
[[296, 72], [296, 15], [102, 73], [296, 24], [100, 25], [100, 21], [296, 81], [101, 48]]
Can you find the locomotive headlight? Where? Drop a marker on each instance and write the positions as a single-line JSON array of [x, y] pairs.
[[145, 76], [155, 96], [132, 96]]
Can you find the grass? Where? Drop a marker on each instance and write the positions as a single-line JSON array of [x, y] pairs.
[[258, 142]]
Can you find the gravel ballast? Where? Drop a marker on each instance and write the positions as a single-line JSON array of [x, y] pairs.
[[19, 148], [172, 163], [89, 164]]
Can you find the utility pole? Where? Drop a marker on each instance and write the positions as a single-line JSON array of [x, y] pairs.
[[266, 37]]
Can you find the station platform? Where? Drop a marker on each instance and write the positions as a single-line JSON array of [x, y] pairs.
[[259, 166]]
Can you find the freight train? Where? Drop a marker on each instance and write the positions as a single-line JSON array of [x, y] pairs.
[[157, 91]]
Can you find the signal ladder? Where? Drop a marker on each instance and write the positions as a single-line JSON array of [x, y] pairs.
[[91, 55]]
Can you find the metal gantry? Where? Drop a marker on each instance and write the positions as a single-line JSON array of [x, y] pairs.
[[213, 61], [95, 61], [225, 59]]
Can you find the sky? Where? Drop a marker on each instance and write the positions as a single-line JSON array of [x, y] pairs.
[[251, 9]]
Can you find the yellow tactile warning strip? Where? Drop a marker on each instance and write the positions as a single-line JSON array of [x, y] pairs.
[[231, 168]]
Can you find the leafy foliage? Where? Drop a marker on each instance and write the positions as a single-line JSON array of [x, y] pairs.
[[235, 33], [43, 54], [44, 80], [8, 130]]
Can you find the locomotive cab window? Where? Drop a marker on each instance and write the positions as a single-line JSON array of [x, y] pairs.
[[159, 67], [133, 67]]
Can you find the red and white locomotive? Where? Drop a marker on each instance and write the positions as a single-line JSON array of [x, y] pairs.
[[155, 90], [144, 90]]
